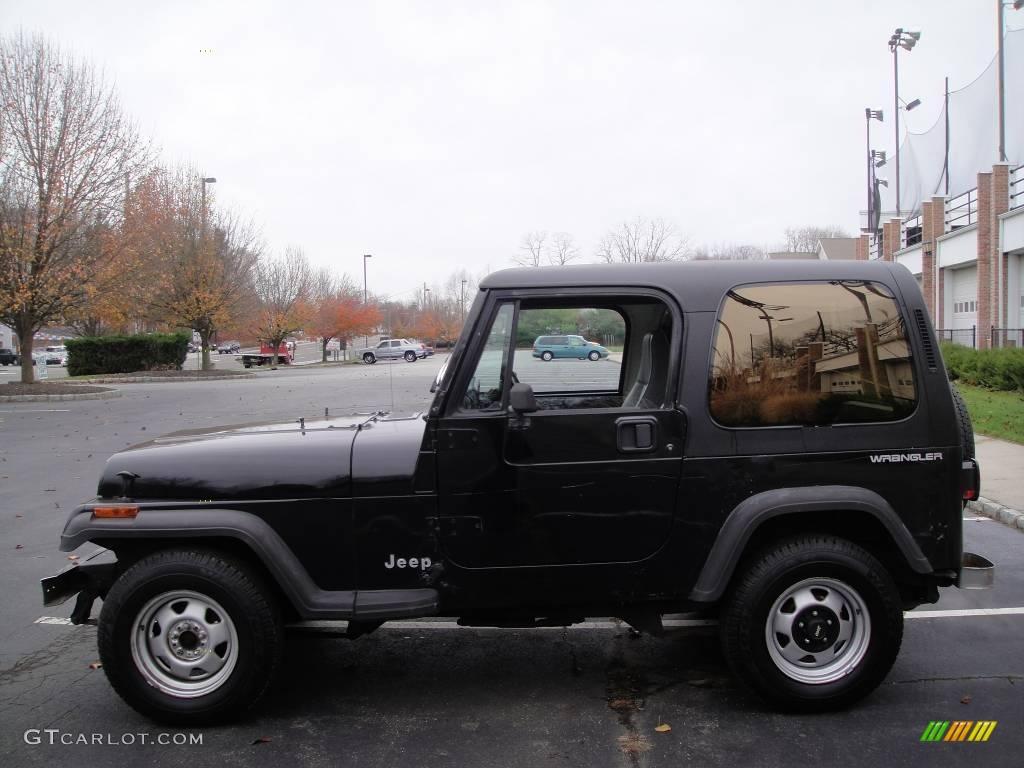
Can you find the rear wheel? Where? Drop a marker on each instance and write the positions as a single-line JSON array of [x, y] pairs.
[[966, 427], [813, 623], [546, 356], [369, 358], [190, 637]]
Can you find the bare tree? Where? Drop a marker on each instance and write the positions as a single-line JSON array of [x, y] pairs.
[[66, 149], [729, 252], [562, 250], [284, 289], [642, 240], [531, 249], [805, 239]]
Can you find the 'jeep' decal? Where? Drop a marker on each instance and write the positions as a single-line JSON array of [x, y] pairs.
[[898, 458]]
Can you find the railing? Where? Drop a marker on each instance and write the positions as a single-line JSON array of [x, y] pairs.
[[910, 232], [1007, 337], [962, 210], [967, 337], [1017, 187], [874, 246]]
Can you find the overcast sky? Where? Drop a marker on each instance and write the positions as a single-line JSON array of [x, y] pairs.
[[434, 134]]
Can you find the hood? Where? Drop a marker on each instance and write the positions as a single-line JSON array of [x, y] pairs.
[[275, 460]]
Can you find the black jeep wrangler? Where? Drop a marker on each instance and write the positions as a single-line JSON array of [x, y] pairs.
[[774, 444]]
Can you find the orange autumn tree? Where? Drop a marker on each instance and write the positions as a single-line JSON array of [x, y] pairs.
[[66, 148], [197, 264], [341, 314], [109, 303]]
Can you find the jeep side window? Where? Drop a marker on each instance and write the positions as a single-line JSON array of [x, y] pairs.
[[485, 388], [617, 355], [810, 354]]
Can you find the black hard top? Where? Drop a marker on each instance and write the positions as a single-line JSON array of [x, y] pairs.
[[699, 285]]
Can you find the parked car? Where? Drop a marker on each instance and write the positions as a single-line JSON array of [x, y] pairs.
[[229, 348], [56, 355], [568, 347], [803, 513], [8, 357], [393, 349]]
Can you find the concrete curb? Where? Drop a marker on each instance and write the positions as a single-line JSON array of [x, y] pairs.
[[109, 394], [1006, 515], [162, 379]]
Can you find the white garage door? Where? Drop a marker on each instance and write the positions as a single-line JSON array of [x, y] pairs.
[[965, 297]]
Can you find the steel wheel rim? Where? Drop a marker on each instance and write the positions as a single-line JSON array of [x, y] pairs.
[[818, 631], [184, 644]]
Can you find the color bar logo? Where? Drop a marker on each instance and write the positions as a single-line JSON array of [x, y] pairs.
[[958, 730]]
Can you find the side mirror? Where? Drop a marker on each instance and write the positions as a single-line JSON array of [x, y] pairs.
[[521, 398]]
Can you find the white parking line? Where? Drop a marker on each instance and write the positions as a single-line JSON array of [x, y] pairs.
[[592, 625], [39, 411], [964, 612]]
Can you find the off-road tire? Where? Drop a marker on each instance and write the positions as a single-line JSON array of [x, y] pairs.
[[785, 566], [966, 427], [233, 585]]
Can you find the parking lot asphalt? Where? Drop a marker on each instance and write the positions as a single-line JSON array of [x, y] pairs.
[[427, 693]]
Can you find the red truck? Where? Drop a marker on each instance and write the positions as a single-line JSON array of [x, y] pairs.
[[285, 355]]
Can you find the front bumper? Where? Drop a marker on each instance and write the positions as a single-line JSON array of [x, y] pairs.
[[88, 581], [976, 572]]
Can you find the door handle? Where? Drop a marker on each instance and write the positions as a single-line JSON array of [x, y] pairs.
[[635, 434]]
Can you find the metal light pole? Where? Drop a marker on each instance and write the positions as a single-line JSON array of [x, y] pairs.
[[366, 339], [905, 40], [462, 302], [870, 114]]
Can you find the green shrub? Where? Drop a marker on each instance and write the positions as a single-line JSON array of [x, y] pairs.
[[1001, 369], [93, 355]]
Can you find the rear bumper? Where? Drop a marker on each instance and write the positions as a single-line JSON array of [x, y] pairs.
[[976, 572]]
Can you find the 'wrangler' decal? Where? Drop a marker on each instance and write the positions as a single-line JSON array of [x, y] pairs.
[[899, 458]]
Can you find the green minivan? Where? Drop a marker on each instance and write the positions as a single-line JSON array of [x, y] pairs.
[[568, 346]]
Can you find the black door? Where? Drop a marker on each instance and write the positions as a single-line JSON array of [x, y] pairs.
[[591, 477]]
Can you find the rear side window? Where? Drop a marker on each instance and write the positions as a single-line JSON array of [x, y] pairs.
[[812, 354]]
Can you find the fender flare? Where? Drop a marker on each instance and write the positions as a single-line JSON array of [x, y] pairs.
[[754, 511], [309, 600]]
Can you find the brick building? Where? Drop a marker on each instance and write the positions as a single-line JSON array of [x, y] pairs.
[[967, 252]]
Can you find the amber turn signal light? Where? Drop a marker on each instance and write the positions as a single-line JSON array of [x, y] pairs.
[[122, 511]]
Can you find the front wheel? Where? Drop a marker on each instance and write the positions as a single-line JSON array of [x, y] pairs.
[[595, 356], [369, 358], [410, 357], [190, 637], [814, 622]]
